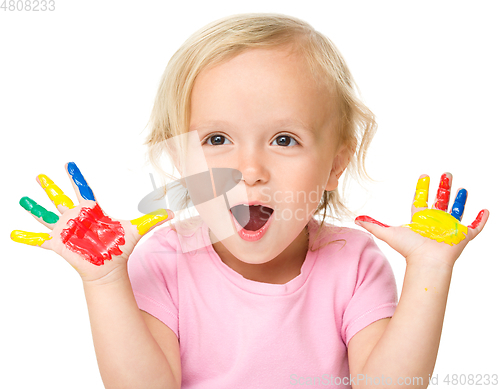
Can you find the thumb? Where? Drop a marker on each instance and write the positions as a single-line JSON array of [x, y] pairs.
[[152, 220], [380, 230]]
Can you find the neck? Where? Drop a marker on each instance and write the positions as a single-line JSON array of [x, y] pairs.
[[283, 268]]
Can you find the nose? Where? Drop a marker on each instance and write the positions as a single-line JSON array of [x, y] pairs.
[[254, 166]]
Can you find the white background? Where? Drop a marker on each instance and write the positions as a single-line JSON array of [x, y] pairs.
[[77, 84]]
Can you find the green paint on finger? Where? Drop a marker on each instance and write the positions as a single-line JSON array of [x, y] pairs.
[[38, 211]]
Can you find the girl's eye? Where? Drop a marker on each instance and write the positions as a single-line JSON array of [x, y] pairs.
[[282, 140], [285, 140], [216, 140]]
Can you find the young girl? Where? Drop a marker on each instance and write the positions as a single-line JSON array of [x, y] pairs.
[[256, 292]]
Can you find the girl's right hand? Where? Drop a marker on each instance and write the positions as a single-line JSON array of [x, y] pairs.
[[96, 245]]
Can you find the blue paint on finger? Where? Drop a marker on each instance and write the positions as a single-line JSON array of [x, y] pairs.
[[80, 182], [458, 206]]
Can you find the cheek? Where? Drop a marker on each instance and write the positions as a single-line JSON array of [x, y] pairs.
[[301, 187], [309, 175]]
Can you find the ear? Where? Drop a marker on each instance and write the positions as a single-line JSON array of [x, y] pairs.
[[340, 163]]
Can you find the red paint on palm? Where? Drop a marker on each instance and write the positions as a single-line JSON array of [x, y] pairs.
[[93, 235], [443, 194]]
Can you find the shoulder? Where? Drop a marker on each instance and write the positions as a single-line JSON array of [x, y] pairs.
[[162, 238], [157, 253], [169, 243], [347, 250], [330, 238]]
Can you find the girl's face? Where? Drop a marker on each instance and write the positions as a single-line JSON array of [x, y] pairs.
[[263, 114]]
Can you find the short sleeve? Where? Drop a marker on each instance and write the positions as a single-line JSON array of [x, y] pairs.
[[152, 269], [375, 292]]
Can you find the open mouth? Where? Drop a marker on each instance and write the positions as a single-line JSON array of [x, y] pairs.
[[253, 217]]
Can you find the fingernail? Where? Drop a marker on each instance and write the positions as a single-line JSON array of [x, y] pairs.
[[368, 219]]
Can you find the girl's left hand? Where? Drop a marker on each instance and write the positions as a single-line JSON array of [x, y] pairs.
[[433, 234]]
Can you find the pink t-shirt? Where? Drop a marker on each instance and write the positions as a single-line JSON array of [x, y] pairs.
[[238, 333]]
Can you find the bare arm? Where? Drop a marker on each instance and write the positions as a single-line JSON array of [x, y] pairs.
[[406, 346], [128, 354], [404, 349]]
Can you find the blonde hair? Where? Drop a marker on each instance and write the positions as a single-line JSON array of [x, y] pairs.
[[228, 37]]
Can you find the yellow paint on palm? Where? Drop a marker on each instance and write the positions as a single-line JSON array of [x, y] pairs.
[[31, 238], [422, 192], [144, 223], [438, 225], [55, 194]]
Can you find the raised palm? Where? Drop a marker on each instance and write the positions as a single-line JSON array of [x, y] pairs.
[[432, 233], [93, 243]]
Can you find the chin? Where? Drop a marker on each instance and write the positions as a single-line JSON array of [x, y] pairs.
[[249, 253]]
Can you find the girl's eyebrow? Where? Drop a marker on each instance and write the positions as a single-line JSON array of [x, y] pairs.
[[281, 123], [209, 124]]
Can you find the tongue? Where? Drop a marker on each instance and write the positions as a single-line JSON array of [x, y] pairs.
[[253, 220]]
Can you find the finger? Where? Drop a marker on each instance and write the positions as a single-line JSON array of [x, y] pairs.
[[31, 238], [56, 195], [378, 229], [478, 224], [151, 220], [421, 194], [82, 190], [457, 209], [368, 219], [443, 193], [45, 217]]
